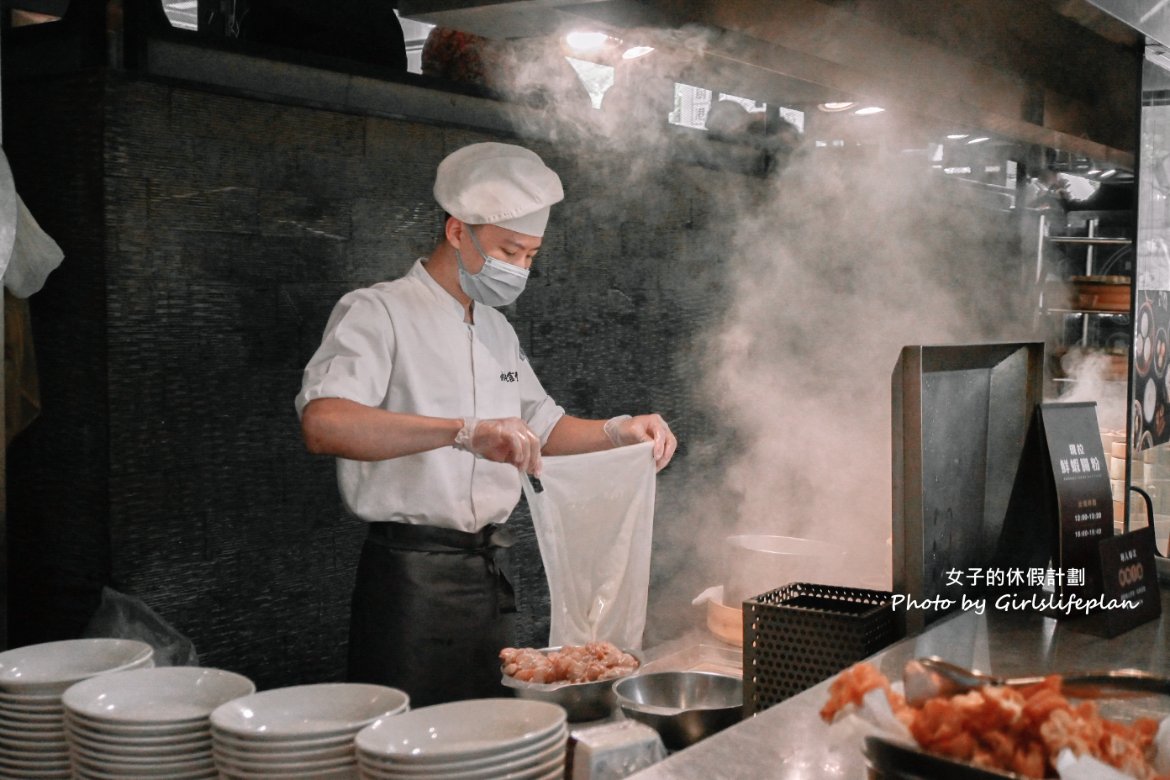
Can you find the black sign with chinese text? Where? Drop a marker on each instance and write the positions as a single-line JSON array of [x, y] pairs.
[[1083, 498], [1129, 582]]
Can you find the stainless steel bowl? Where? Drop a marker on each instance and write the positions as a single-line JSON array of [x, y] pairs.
[[683, 707], [582, 701]]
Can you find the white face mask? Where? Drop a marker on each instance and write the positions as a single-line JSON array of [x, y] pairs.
[[497, 283]]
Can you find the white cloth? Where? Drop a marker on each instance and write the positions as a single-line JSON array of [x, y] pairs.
[[35, 255], [594, 523], [403, 346]]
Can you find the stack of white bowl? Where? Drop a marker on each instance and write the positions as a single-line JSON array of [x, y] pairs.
[[147, 722], [478, 739], [32, 680], [303, 731]]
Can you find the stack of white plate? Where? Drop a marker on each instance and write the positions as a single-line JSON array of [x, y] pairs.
[[304, 731], [478, 739], [32, 679], [147, 722]]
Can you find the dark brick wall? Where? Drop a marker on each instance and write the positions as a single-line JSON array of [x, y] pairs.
[[207, 238]]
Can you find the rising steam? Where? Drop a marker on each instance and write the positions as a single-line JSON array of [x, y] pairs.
[[823, 271]]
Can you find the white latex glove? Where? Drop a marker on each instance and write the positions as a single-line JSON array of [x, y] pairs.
[[624, 429], [505, 440]]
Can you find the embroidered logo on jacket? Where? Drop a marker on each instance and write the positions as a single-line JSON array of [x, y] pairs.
[[509, 376]]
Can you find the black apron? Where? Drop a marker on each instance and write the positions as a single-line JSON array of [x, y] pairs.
[[426, 612]]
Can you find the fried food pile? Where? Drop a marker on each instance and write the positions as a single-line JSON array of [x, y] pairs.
[[1018, 730], [572, 663]]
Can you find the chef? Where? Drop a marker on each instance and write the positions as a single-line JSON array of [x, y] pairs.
[[422, 392]]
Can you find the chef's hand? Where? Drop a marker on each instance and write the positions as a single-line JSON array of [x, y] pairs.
[[624, 429], [505, 440]]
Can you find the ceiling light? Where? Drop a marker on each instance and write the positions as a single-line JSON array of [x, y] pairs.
[[979, 139], [957, 136], [1108, 173], [635, 52], [869, 110], [585, 42], [837, 106]]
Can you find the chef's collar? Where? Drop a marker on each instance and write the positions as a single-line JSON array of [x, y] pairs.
[[442, 297]]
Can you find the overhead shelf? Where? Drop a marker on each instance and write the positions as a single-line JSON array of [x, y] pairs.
[[1092, 240]]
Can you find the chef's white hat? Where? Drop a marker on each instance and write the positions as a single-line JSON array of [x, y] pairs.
[[498, 184]]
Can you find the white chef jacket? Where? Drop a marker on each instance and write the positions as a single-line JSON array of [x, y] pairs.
[[403, 346]]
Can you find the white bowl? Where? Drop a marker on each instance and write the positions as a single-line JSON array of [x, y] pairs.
[[461, 729], [199, 765], [21, 768], [281, 746], [532, 764], [189, 729], [119, 741], [100, 759], [557, 740], [47, 701], [225, 763], [84, 773], [32, 724], [52, 667], [165, 695], [138, 748], [554, 768], [34, 734], [15, 712], [306, 710], [22, 753], [344, 773], [334, 750]]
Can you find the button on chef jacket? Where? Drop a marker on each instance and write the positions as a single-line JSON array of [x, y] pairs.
[[403, 346]]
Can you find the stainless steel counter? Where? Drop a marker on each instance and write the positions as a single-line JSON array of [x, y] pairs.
[[789, 740]]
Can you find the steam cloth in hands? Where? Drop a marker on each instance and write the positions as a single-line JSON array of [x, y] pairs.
[[34, 255], [594, 522]]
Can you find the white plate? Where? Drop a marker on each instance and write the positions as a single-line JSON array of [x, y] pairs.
[[98, 757], [36, 724], [461, 730], [542, 747], [46, 774], [16, 764], [52, 667], [325, 765], [122, 769], [266, 746], [551, 768], [306, 710], [348, 773], [537, 764], [35, 756], [82, 773], [34, 735], [138, 747], [165, 695], [15, 715], [31, 746], [31, 699], [133, 731], [338, 750], [29, 704]]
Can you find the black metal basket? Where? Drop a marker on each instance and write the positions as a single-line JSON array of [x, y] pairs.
[[800, 634]]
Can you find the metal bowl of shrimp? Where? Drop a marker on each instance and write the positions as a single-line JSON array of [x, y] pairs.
[[568, 669]]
